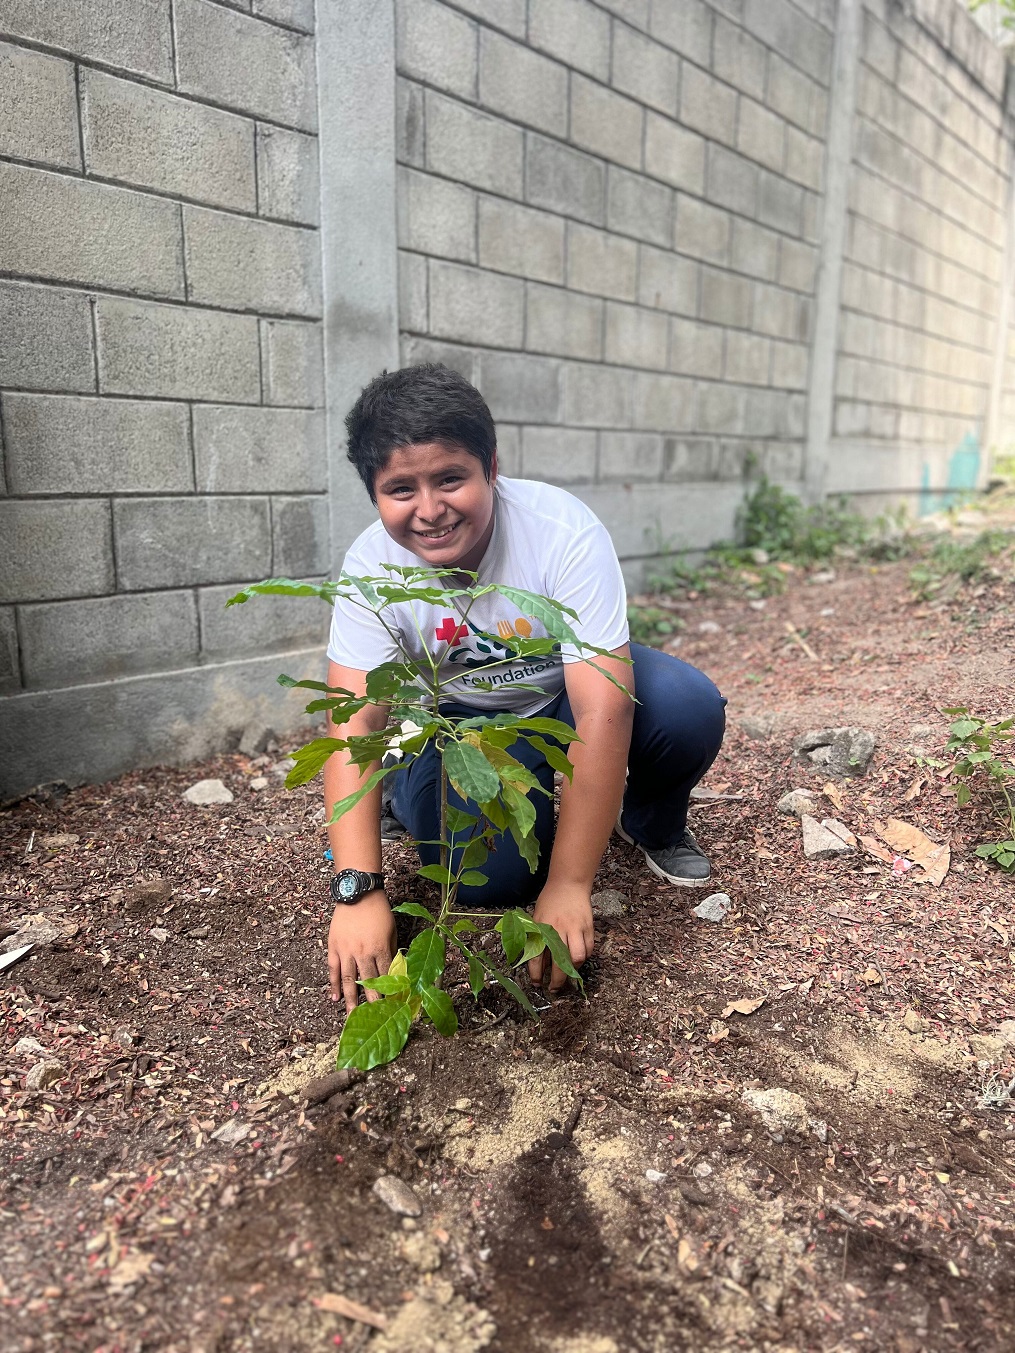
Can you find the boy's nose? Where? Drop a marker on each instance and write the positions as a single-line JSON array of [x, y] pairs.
[[430, 508]]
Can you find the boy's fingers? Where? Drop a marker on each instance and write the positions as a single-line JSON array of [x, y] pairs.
[[369, 968], [334, 976], [537, 968], [349, 988]]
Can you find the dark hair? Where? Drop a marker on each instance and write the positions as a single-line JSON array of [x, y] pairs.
[[428, 403]]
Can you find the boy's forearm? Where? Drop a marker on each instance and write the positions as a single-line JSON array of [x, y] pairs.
[[589, 804], [355, 839]]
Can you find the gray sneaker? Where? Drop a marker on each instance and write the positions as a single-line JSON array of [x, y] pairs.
[[684, 863]]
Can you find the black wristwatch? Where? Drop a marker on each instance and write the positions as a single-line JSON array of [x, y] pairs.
[[349, 885]]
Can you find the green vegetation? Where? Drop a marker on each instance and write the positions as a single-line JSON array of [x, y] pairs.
[[952, 563], [979, 766], [475, 759]]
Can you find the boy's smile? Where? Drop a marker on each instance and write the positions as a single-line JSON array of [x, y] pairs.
[[435, 501]]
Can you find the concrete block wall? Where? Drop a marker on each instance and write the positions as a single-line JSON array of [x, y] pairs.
[[608, 219], [161, 384], [924, 258]]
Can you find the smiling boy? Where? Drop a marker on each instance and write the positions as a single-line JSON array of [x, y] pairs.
[[424, 444]]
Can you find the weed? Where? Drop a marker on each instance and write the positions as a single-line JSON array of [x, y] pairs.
[[979, 765], [652, 625], [952, 563]]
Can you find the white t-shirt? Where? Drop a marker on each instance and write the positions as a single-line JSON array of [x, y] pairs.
[[545, 541]]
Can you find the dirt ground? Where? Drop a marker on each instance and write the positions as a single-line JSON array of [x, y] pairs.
[[593, 1183]]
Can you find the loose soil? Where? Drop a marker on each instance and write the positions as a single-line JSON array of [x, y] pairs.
[[593, 1183]]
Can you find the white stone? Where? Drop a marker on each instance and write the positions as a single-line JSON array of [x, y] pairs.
[[397, 1195], [259, 782], [232, 1132], [819, 842], [43, 1075], [25, 1047], [713, 908], [654, 1176], [780, 1110], [206, 792], [798, 802]]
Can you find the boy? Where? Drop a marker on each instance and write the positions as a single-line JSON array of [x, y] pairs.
[[424, 444]]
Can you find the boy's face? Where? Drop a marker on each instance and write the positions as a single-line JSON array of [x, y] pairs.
[[435, 500]]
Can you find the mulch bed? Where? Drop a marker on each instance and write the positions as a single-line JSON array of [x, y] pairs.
[[186, 997]]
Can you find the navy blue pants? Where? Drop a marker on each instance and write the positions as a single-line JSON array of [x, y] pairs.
[[679, 723]]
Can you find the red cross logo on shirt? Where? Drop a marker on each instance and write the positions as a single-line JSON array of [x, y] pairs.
[[451, 633]]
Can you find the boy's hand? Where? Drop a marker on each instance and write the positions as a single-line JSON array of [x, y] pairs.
[[568, 908], [361, 943]]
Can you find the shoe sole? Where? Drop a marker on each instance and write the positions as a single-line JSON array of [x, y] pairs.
[[655, 869]]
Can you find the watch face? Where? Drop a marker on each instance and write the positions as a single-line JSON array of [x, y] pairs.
[[348, 886]]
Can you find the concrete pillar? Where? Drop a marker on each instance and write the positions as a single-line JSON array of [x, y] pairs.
[[993, 432]]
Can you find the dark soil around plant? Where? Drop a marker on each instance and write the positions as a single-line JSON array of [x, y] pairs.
[[592, 1183]]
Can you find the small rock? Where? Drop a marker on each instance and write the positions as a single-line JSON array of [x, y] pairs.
[[759, 556], [608, 904], [397, 1195], [922, 730], [758, 604], [462, 1105], [839, 829], [987, 1047], [757, 726], [1006, 1032], [709, 627], [43, 1075], [258, 783], [797, 803], [819, 842], [826, 575], [207, 792], [200, 932], [229, 1134], [818, 1128], [851, 751], [780, 1110], [913, 1022], [714, 907], [702, 1170], [60, 840], [654, 1176], [254, 738], [826, 611], [29, 1047], [692, 1194], [283, 767], [124, 1037], [147, 894], [157, 933]]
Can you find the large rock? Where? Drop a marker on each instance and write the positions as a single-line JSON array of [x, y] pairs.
[[43, 1075], [842, 752], [608, 904], [39, 930], [819, 842]]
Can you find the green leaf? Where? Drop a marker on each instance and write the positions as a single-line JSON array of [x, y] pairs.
[[986, 851], [477, 975], [512, 936], [472, 878], [1006, 859], [414, 909], [559, 951], [437, 873], [437, 1005], [548, 612], [964, 727], [475, 854], [464, 927], [386, 681], [351, 800], [963, 795], [310, 760], [425, 959], [555, 757], [459, 820], [534, 946], [512, 987], [470, 772], [375, 1032], [288, 587], [388, 984]]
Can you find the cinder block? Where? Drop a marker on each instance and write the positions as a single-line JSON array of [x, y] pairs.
[[58, 549], [180, 542], [10, 664], [508, 15], [664, 403], [701, 231], [690, 459], [725, 298], [636, 337], [674, 154], [521, 84], [708, 106], [144, 136], [416, 349], [880, 48], [755, 250], [804, 159], [780, 203], [470, 305], [668, 282], [65, 444], [520, 240], [781, 26], [767, 413], [639, 206], [798, 265], [606, 123], [722, 408], [69, 230], [45, 338], [436, 216], [646, 70], [292, 362], [789, 365], [739, 59], [269, 624], [733, 460], [796, 97], [509, 449], [686, 26], [599, 262], [135, 37], [783, 314], [696, 349], [436, 45], [732, 181], [465, 144], [245, 64], [259, 450], [634, 12], [597, 396], [575, 31], [761, 134], [630, 457], [38, 107], [563, 180], [559, 455], [251, 265], [563, 322], [301, 536], [175, 352], [409, 124], [783, 463], [67, 643], [748, 357], [520, 389], [292, 13], [288, 178], [413, 304]]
